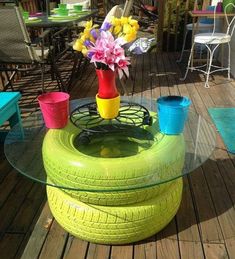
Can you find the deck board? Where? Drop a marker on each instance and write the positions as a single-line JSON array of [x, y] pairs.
[[204, 226]]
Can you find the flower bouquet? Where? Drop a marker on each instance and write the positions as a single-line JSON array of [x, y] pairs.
[[105, 47]]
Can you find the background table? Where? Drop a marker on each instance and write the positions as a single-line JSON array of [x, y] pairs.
[[46, 22]]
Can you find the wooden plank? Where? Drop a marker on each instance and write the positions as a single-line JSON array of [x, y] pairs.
[[215, 251], [7, 185], [163, 82], [27, 211], [209, 225], [122, 251], [188, 232], [146, 89], [138, 84], [5, 167], [29, 232], [38, 236], [54, 243], [153, 75], [96, 251], [9, 245], [145, 249], [173, 87], [14, 202], [230, 245], [75, 248], [167, 242]]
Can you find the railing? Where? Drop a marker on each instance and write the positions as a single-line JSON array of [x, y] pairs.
[[173, 17]]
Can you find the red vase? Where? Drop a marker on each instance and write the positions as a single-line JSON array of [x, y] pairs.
[[107, 84]]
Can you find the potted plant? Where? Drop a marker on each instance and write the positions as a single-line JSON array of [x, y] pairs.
[[105, 48]]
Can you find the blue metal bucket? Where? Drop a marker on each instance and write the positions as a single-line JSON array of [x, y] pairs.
[[172, 113]]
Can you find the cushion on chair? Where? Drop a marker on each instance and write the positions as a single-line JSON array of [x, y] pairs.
[[209, 38]]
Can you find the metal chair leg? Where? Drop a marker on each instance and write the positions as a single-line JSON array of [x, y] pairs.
[[182, 51], [229, 60], [208, 70], [189, 61], [42, 76]]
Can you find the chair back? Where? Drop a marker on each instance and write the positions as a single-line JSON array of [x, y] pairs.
[[15, 42], [230, 22]]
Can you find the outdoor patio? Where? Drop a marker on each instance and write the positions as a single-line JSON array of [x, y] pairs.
[[204, 225]]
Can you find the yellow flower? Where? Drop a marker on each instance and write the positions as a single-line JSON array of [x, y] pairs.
[[127, 28], [131, 35], [88, 24], [78, 45], [115, 21], [88, 27], [86, 33], [83, 37], [117, 29], [124, 20], [134, 23], [84, 51]]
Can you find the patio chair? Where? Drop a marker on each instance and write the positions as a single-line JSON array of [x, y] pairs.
[[212, 41], [203, 25], [18, 53]]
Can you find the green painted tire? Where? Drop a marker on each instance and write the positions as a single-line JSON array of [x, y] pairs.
[[102, 179], [115, 224]]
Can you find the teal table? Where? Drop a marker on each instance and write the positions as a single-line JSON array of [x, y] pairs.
[[9, 110]]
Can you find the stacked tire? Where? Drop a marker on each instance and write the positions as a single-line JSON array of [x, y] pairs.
[[113, 200]]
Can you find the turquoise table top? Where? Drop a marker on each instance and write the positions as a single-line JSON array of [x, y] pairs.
[[6, 97]]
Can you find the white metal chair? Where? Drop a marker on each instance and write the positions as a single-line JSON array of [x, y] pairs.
[[212, 41], [202, 26]]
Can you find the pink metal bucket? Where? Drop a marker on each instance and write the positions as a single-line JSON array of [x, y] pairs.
[[55, 109]]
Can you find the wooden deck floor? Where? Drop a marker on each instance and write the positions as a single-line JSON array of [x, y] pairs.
[[204, 226]]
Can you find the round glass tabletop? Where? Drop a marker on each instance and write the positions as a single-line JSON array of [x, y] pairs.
[[133, 157]]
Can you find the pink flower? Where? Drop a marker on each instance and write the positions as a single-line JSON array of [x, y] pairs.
[[108, 51], [123, 63]]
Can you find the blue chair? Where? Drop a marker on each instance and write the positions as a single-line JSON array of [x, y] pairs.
[[9, 111]]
